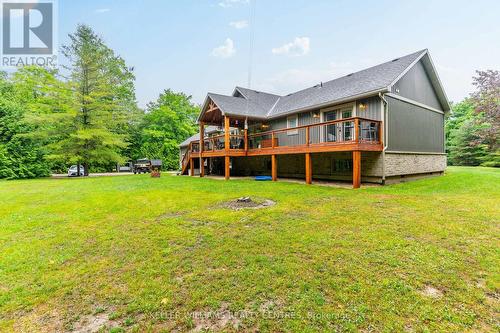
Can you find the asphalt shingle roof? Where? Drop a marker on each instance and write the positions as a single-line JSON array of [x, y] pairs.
[[264, 105], [364, 81]]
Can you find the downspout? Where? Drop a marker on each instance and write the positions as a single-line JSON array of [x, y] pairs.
[[386, 136]]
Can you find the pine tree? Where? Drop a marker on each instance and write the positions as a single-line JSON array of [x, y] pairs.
[[102, 90]]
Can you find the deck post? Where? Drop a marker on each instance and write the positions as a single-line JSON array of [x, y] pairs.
[[227, 160], [226, 134], [356, 130], [308, 169], [227, 169], [274, 168], [246, 140], [202, 148], [307, 136], [191, 167], [356, 169]]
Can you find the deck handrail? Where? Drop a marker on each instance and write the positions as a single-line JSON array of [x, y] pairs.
[[356, 136], [330, 122]]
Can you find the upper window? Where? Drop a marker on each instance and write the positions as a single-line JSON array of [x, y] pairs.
[[346, 113], [291, 122]]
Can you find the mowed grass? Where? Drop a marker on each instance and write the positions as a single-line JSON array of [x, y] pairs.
[[157, 254]]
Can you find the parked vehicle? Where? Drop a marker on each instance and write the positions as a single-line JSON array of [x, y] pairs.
[[142, 165], [73, 171], [127, 167]]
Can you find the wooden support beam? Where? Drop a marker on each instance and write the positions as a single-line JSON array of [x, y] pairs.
[[274, 168], [227, 169], [246, 140], [226, 134], [202, 148], [202, 167], [356, 169], [356, 130], [307, 136], [191, 167], [308, 168]]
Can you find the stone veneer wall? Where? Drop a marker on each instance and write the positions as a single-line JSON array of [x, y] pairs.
[[397, 164]]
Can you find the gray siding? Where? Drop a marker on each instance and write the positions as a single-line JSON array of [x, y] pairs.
[[414, 129], [417, 86], [373, 110], [284, 139]]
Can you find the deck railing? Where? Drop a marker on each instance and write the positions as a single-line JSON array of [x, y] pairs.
[[218, 143], [335, 132], [326, 133]]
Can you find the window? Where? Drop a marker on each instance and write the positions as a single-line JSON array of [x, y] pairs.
[[348, 126], [330, 132], [341, 166], [291, 122]]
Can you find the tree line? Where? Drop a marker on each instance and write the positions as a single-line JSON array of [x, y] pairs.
[[472, 126], [86, 114]]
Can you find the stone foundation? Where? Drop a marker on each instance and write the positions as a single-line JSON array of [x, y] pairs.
[[397, 164]]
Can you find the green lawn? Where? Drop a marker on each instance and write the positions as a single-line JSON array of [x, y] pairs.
[[135, 253]]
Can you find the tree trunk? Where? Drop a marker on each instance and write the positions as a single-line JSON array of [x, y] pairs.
[[78, 170], [85, 169]]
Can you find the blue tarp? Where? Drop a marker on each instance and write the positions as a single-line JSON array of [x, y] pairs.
[[261, 178]]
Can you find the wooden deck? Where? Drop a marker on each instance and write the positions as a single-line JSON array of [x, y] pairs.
[[354, 134]]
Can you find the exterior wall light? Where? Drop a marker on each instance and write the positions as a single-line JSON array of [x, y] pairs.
[[362, 107]]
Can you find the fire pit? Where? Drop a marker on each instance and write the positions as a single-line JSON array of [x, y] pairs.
[[248, 203]]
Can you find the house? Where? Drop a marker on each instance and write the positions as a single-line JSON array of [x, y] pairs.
[[381, 124]]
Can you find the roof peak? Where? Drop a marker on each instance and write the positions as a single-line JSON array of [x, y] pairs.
[[420, 52], [371, 80]]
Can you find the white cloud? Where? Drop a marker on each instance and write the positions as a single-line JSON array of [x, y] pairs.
[[102, 10], [231, 3], [295, 79], [239, 24], [224, 51], [299, 47]]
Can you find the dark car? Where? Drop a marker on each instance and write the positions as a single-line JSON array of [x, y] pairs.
[[142, 165]]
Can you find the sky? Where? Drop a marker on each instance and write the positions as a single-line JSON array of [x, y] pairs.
[[203, 46]]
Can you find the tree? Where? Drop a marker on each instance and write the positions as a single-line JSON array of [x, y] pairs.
[[486, 101], [466, 146], [167, 122], [90, 121], [473, 124], [21, 156]]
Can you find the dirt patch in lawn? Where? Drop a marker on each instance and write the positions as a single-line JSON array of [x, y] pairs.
[[93, 323], [219, 320], [248, 203], [432, 292]]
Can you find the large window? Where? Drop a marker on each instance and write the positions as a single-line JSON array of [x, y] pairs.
[[348, 127], [330, 134], [291, 122]]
